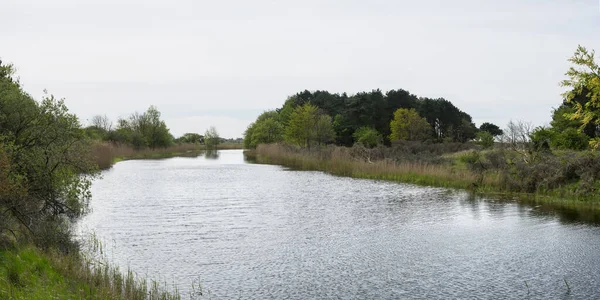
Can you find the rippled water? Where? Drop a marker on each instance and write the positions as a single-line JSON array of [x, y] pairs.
[[252, 231]]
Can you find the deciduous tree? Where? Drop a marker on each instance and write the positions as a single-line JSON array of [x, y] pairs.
[[408, 125], [212, 138], [584, 82]]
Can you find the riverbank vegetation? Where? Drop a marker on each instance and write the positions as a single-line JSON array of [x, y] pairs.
[[143, 131], [107, 154], [46, 172], [399, 136], [146, 136]]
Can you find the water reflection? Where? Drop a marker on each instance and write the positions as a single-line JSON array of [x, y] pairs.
[[566, 213], [211, 154], [262, 232]]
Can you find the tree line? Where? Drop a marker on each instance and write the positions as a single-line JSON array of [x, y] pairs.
[[45, 164], [145, 130], [311, 118], [369, 118]]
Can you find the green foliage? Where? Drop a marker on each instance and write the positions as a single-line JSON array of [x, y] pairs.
[[564, 132], [570, 138], [141, 131], [323, 130], [448, 122], [307, 126], [211, 138], [46, 151], [561, 120], [376, 110], [367, 136], [584, 96], [267, 129], [542, 138], [28, 273], [300, 124], [409, 126], [190, 138], [493, 129], [485, 139], [95, 133], [286, 111]]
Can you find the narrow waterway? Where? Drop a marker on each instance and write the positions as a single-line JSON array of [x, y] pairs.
[[252, 231]]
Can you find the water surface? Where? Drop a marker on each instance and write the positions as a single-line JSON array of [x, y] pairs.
[[252, 231]]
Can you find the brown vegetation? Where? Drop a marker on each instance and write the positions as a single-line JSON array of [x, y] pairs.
[[106, 154], [394, 164], [559, 175]]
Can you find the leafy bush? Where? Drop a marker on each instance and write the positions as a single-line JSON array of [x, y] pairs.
[[571, 138], [45, 152], [367, 136], [485, 139]]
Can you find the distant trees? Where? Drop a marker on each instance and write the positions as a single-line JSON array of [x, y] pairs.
[[323, 132], [349, 113], [267, 129], [485, 139], [212, 138], [448, 122], [517, 137], [367, 136], [140, 130], [375, 109], [147, 129], [409, 126], [492, 129], [190, 138], [307, 126], [101, 122]]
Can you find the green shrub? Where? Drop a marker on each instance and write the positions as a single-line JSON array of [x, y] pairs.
[[572, 139], [367, 136], [485, 139]]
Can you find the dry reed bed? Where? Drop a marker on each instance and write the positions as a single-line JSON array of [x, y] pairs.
[[345, 162]]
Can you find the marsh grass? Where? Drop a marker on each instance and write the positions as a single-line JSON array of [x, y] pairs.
[[440, 169], [345, 162]]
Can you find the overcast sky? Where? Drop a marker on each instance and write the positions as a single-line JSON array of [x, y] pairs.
[[221, 63]]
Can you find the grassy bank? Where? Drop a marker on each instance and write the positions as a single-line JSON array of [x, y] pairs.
[[340, 161], [107, 154], [450, 170], [26, 272]]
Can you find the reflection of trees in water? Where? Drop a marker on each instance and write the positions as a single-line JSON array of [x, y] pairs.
[[565, 213], [249, 156], [568, 215], [211, 154]]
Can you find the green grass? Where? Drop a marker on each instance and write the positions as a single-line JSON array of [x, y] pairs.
[[29, 273]]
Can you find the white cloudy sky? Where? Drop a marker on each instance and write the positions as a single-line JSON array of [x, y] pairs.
[[221, 63]]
